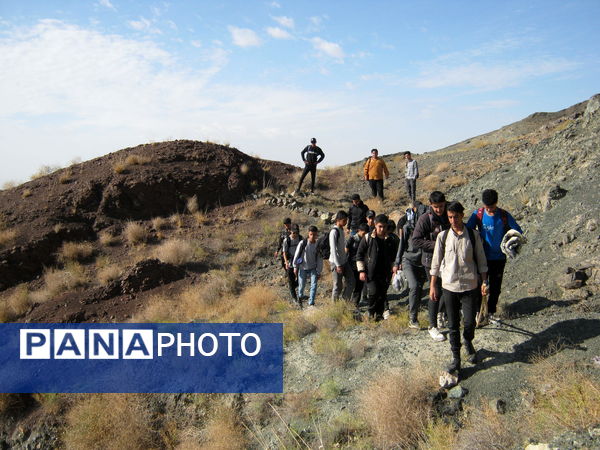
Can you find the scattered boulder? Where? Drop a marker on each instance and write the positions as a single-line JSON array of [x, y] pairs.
[[497, 405], [457, 392]]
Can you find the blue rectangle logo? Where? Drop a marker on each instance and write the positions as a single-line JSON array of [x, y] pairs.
[[141, 358]]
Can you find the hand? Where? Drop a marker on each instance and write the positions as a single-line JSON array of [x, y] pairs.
[[366, 178], [276, 254], [394, 270], [484, 289], [400, 267], [362, 276], [433, 293], [287, 265], [339, 269], [296, 273]]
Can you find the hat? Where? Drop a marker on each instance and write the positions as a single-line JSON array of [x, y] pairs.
[[313, 141], [356, 197], [370, 213]]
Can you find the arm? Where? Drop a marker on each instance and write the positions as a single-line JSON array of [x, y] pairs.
[[512, 223], [399, 253], [361, 255], [333, 237], [366, 169], [321, 156], [385, 170], [319, 265], [296, 256], [303, 154], [416, 170], [472, 223], [419, 236], [435, 268], [285, 252]]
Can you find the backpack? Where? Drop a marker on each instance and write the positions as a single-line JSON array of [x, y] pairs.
[[323, 247], [409, 227], [503, 216]]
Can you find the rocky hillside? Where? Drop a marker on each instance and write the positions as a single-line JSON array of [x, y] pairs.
[[158, 232]]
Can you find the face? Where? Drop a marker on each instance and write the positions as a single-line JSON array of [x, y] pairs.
[[313, 235], [370, 221], [374, 154], [361, 233], [294, 235], [438, 208], [380, 229], [491, 209], [342, 222], [355, 202], [407, 156], [455, 218]]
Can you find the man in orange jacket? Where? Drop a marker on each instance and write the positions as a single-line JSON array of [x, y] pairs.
[[375, 169]]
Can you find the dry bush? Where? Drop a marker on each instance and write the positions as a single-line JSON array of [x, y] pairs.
[[66, 177], [395, 406], [566, 397], [345, 431], [251, 211], [375, 204], [75, 251], [255, 304], [9, 185], [137, 160], [175, 251], [26, 193], [443, 436], [120, 167], [57, 281], [487, 429], [300, 405], [43, 171], [159, 309], [160, 223], [396, 324], [332, 348], [456, 180], [395, 195], [7, 237], [431, 183], [201, 218], [107, 421], [15, 304], [136, 233], [177, 220], [192, 204], [107, 239], [109, 273], [225, 431], [295, 326], [334, 315], [441, 167]]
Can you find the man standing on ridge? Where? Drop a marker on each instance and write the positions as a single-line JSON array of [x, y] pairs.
[[493, 223], [412, 173], [311, 155], [375, 169]]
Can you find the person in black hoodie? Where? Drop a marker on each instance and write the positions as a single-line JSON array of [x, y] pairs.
[[428, 227], [311, 156], [352, 248], [357, 214], [374, 260]]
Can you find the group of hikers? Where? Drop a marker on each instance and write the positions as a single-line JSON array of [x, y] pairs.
[[463, 262]]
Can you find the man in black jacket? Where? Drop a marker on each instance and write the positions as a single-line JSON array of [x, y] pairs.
[[352, 248], [311, 155], [428, 227], [374, 260], [357, 214]]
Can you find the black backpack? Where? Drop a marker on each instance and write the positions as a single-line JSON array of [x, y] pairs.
[[323, 248]]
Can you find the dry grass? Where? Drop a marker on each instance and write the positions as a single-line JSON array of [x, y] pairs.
[[109, 273], [456, 180], [192, 204], [332, 348], [9, 185], [160, 223], [333, 315], [10, 403], [15, 305], [175, 251], [7, 237], [66, 177], [485, 428], [107, 239], [225, 431], [251, 210], [441, 167], [57, 281], [137, 160], [177, 220], [43, 171], [443, 436], [75, 251], [431, 183], [26, 193], [136, 233], [396, 408], [255, 304], [296, 326], [120, 167], [201, 218], [107, 421], [345, 431]]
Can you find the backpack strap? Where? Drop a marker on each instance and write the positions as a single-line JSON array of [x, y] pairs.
[[479, 217], [504, 217]]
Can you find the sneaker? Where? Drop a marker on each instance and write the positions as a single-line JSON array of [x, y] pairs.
[[441, 321], [414, 324], [386, 314], [472, 354], [436, 335], [493, 319]]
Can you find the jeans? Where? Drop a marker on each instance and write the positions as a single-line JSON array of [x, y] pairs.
[[292, 282], [416, 276], [435, 307], [495, 273], [346, 275], [376, 188], [454, 301], [312, 168], [377, 294], [302, 276], [411, 188]]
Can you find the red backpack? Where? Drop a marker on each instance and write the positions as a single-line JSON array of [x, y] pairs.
[[503, 216]]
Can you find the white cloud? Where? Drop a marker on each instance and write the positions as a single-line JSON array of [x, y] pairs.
[[244, 37], [278, 33], [327, 48], [196, 44], [490, 76], [284, 21], [107, 4], [274, 5], [144, 25]]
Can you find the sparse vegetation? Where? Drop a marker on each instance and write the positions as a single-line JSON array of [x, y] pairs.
[[26, 193], [57, 281], [441, 167], [160, 223], [75, 251], [225, 431], [107, 239], [9, 185], [43, 171], [332, 348], [14, 305], [431, 183], [192, 204], [66, 177], [123, 166], [456, 180], [175, 251], [136, 233], [7, 237], [109, 273]]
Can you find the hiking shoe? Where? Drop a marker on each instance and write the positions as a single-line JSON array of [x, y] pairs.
[[493, 319], [454, 365], [436, 335], [472, 354], [414, 324], [441, 321], [386, 314]]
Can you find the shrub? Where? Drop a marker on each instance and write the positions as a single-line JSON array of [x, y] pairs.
[[57, 281], [159, 309], [192, 204], [9, 185], [120, 167], [107, 274], [15, 304], [107, 239], [345, 431], [7, 237], [225, 431], [160, 223], [75, 251], [177, 220], [431, 183], [332, 348], [65, 177], [175, 251], [255, 304], [295, 326], [137, 160], [26, 193], [456, 180], [395, 406], [484, 428], [136, 233], [334, 315], [110, 421], [43, 171], [441, 167]]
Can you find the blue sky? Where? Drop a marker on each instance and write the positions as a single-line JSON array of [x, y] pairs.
[[79, 79]]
